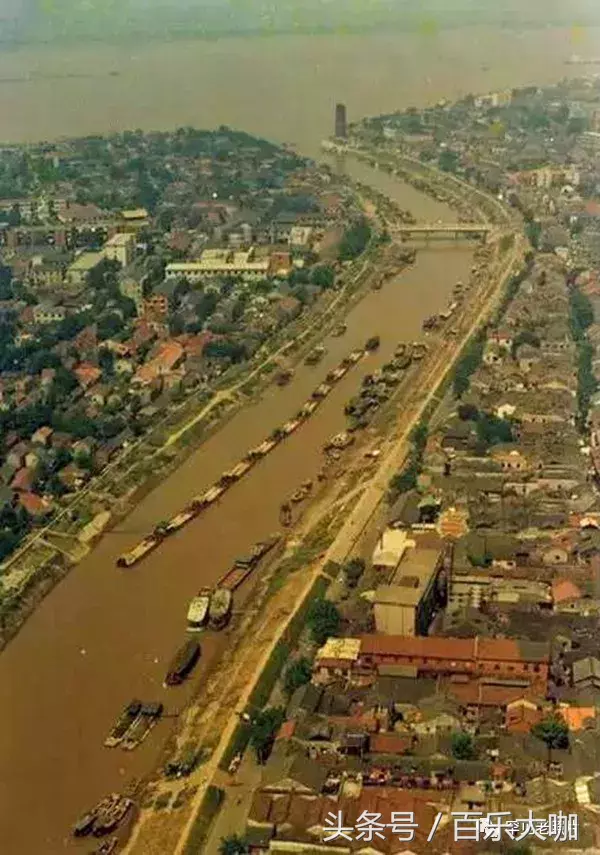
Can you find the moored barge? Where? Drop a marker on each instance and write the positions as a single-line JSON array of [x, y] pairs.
[[183, 663]]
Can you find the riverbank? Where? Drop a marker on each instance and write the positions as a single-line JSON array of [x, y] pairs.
[[49, 554], [431, 384], [99, 616]]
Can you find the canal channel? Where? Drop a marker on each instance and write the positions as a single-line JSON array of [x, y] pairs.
[[105, 635]]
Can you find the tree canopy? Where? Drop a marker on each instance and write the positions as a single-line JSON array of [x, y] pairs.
[[353, 570], [233, 845], [463, 746], [355, 240], [323, 620], [263, 731], [553, 731], [298, 673]]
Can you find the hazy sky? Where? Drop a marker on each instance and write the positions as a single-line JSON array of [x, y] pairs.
[[23, 18]]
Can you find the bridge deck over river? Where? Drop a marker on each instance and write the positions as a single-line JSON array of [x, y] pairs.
[[454, 230]]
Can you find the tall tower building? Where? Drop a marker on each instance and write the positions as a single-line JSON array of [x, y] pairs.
[[340, 121]]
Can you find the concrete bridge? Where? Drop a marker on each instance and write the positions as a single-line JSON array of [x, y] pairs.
[[441, 230]]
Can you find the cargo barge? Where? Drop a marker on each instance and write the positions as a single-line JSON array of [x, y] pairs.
[[183, 663], [107, 847], [123, 724], [197, 616], [221, 606], [205, 500], [104, 817], [111, 815], [148, 717], [315, 355], [242, 567]]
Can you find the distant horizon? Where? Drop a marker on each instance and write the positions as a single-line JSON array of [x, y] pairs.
[[111, 22]]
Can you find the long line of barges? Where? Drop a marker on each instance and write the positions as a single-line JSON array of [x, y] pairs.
[[205, 500]]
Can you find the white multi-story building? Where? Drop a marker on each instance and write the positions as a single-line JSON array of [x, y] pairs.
[[220, 262]]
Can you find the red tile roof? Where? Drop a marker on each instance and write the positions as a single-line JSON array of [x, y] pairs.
[[23, 479], [503, 649], [430, 647], [87, 374], [579, 718], [286, 731], [168, 355], [389, 743], [564, 589], [34, 504], [522, 717], [459, 649], [476, 693]]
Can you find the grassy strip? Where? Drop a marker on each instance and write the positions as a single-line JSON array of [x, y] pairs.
[[211, 805], [272, 670], [407, 478]]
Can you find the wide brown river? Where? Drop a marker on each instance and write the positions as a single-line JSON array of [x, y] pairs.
[[104, 636]]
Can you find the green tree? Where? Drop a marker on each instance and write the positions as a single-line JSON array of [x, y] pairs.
[[525, 337], [323, 620], [468, 413], [355, 240], [533, 230], [233, 845], [467, 365], [263, 731], [64, 382], [110, 325], [353, 570], [323, 276], [463, 746], [106, 362], [553, 731], [297, 674], [492, 430], [403, 481], [448, 161]]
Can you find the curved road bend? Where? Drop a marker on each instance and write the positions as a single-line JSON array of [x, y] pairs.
[[104, 636]]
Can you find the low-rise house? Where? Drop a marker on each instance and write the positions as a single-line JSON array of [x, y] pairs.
[[36, 506], [586, 673], [87, 374], [42, 436], [527, 356], [47, 313], [33, 458], [578, 718], [168, 357], [99, 394], [510, 461], [124, 367], [336, 659], [522, 715], [73, 477], [564, 591], [24, 479], [16, 455]]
